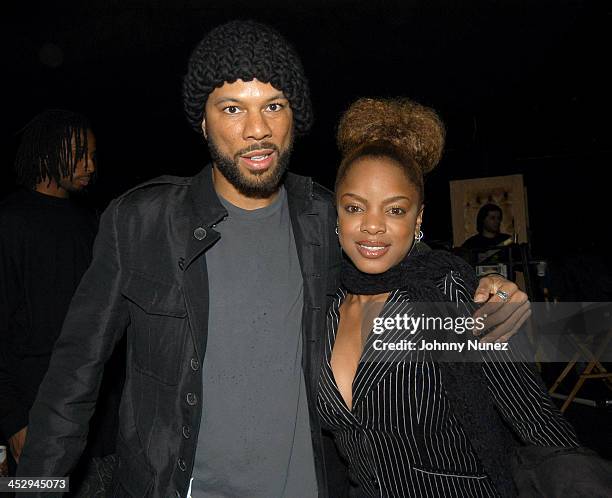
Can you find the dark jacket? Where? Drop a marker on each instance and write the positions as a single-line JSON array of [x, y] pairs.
[[148, 277]]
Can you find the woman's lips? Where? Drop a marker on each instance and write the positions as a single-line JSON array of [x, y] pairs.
[[259, 160], [372, 250]]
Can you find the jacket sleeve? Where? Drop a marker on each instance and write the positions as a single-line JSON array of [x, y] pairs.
[[13, 415], [516, 388], [96, 320]]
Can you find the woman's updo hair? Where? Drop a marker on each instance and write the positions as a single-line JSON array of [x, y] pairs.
[[399, 129]]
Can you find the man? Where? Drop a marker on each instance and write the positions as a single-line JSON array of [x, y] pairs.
[[45, 247], [488, 223], [481, 247], [221, 281], [46, 241]]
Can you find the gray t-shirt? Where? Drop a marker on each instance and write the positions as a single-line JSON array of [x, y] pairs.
[[254, 438]]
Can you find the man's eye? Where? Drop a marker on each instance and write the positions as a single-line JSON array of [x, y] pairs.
[[231, 109], [351, 208], [397, 211], [275, 107]]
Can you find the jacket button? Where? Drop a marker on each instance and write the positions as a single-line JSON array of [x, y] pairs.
[[199, 233], [181, 464], [195, 364], [186, 432], [192, 399]]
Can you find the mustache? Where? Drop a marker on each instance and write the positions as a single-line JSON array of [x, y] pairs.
[[257, 146]]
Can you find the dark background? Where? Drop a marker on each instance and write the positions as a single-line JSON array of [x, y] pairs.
[[523, 87]]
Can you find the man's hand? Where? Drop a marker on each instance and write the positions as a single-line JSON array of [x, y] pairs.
[[16, 442], [503, 317]]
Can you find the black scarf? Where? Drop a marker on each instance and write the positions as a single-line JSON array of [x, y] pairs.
[[464, 382]]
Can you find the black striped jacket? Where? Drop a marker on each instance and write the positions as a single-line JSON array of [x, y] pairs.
[[401, 437]]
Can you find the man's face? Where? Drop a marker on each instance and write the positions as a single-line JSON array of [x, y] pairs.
[[84, 169], [249, 128], [492, 222]]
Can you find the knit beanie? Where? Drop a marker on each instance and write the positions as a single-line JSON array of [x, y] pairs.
[[246, 50]]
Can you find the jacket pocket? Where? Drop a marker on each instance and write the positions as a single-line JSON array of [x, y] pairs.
[[158, 326]]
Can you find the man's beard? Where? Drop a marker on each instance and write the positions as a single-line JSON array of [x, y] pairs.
[[257, 185]]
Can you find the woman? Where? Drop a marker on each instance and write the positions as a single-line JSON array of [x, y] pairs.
[[409, 425]]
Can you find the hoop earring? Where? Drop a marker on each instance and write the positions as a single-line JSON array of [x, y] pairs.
[[418, 237], [337, 231]]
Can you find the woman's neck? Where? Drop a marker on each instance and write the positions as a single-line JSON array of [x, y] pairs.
[[365, 300]]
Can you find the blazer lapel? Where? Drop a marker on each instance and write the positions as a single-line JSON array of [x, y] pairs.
[[375, 362]]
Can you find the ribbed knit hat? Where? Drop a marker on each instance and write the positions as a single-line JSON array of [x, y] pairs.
[[246, 50]]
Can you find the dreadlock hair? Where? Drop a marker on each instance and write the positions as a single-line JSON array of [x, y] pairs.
[[245, 50], [399, 129], [47, 151]]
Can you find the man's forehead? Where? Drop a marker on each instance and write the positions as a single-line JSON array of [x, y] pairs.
[[243, 90]]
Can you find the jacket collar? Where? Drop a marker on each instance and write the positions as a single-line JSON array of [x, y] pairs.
[[207, 208], [299, 186]]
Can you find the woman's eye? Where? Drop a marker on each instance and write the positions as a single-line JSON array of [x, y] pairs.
[[275, 107], [397, 211], [351, 208], [231, 109]]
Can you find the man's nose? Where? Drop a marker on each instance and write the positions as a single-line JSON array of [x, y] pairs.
[[90, 166], [256, 127]]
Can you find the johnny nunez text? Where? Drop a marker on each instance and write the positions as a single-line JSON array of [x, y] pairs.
[[423, 345]]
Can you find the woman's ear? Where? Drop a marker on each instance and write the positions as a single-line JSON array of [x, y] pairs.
[[419, 219]]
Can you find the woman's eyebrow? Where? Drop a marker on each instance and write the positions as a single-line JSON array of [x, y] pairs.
[[355, 196], [397, 198]]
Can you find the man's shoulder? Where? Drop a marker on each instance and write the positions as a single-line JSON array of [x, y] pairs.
[[473, 241], [306, 184], [322, 193], [14, 207], [156, 190], [161, 185]]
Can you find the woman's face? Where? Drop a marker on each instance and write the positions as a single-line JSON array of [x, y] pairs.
[[379, 213]]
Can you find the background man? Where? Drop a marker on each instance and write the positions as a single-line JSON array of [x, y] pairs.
[[46, 242], [45, 247], [488, 223], [221, 281]]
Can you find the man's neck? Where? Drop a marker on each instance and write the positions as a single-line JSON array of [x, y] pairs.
[[489, 235], [52, 189], [226, 190]]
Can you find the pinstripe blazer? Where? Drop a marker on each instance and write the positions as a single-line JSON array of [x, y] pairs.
[[401, 437]]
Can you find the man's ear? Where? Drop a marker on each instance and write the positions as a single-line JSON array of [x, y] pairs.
[[204, 128]]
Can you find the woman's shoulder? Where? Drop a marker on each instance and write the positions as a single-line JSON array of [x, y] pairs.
[[440, 263], [450, 273]]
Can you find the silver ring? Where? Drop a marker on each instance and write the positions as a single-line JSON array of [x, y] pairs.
[[503, 295]]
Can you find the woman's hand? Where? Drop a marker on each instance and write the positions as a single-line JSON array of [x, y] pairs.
[[503, 317]]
